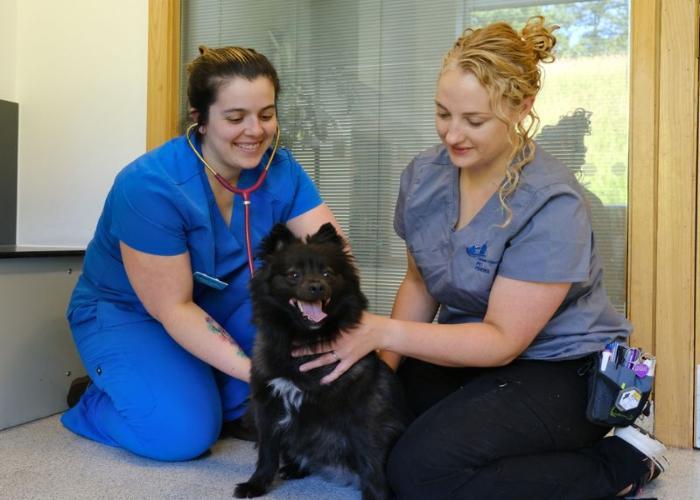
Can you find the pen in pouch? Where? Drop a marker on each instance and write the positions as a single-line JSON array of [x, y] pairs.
[[636, 355], [619, 355]]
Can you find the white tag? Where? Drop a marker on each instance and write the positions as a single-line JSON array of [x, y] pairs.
[[628, 399]]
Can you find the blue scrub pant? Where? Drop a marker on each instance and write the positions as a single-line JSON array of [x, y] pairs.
[[149, 395]]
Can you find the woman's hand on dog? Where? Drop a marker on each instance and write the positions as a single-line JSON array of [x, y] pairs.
[[351, 346]]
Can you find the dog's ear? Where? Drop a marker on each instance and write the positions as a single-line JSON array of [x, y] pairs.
[[326, 234], [279, 237]]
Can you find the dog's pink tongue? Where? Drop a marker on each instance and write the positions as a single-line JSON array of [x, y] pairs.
[[314, 311]]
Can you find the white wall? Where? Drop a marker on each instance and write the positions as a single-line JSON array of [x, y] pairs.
[[81, 86], [8, 49]]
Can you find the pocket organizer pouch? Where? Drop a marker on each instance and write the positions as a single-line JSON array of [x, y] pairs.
[[616, 394]]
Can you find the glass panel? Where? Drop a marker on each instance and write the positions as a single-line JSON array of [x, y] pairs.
[[358, 80], [583, 108]]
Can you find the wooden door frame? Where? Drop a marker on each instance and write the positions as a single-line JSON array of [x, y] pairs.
[[662, 251], [163, 71]]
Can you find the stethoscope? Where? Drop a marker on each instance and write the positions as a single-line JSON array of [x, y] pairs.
[[245, 193]]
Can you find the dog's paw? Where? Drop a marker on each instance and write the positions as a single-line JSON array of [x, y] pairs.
[[293, 471], [249, 490]]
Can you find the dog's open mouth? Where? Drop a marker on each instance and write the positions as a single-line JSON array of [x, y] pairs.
[[312, 312]]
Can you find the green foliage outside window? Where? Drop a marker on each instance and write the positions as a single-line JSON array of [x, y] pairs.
[[586, 28], [591, 72]]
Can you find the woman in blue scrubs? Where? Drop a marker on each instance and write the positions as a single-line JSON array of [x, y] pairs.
[[500, 246], [167, 354]]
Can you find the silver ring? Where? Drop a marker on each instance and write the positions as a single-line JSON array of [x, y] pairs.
[[335, 356]]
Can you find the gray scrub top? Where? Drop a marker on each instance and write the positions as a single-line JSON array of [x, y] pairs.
[[549, 239]]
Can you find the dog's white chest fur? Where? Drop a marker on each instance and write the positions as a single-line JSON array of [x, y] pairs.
[[291, 395]]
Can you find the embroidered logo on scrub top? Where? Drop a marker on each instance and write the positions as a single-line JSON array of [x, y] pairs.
[[478, 253]]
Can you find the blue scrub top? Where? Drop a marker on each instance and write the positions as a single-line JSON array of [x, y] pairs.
[[549, 239], [162, 204]]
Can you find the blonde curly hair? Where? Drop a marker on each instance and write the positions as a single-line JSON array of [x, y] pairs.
[[506, 63]]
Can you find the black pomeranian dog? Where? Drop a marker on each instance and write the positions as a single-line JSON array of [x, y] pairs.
[[304, 294]]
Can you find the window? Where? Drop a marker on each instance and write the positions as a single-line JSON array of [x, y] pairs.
[[358, 81]]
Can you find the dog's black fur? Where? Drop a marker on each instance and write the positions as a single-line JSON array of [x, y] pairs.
[[350, 423]]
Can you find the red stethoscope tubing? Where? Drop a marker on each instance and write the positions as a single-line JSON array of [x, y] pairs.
[[244, 193]]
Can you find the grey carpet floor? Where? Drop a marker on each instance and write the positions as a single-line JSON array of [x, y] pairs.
[[42, 460]]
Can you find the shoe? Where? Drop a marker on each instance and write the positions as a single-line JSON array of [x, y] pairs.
[[77, 389], [648, 445], [204, 455], [241, 428]]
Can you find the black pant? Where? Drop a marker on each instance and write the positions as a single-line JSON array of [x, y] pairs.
[[518, 431]]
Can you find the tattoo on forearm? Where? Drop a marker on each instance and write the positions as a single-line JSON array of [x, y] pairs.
[[216, 329]]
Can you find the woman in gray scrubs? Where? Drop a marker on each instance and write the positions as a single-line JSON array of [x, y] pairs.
[[500, 246]]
